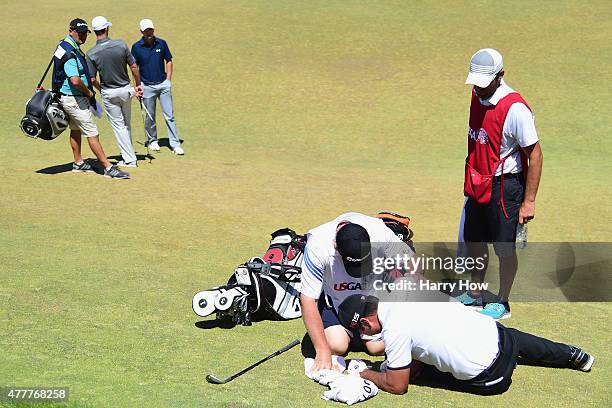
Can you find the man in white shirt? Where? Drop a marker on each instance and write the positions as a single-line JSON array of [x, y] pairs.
[[468, 351], [337, 263], [500, 192]]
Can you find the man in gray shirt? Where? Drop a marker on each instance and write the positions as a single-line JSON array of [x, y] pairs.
[[110, 58]]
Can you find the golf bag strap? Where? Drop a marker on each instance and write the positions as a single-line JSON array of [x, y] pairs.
[[58, 73], [38, 87]]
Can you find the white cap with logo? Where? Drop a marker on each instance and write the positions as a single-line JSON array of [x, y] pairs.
[[100, 23], [146, 23], [484, 66]]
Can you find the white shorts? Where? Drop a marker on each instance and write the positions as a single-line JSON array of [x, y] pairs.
[[77, 109]]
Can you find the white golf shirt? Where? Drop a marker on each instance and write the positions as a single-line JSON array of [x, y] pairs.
[[323, 270], [448, 335], [519, 129]]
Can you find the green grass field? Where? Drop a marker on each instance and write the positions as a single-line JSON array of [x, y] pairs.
[[292, 113]]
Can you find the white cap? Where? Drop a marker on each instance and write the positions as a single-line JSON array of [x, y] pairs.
[[484, 65], [100, 23], [146, 23]]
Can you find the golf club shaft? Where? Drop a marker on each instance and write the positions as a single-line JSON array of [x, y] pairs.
[[143, 106], [263, 360], [144, 123], [276, 353]]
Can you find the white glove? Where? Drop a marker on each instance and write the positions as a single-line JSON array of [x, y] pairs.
[[350, 389], [356, 366]]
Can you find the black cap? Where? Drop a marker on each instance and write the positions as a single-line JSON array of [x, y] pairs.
[[353, 244], [79, 25], [352, 309]]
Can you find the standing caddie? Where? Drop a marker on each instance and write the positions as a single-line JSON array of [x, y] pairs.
[[72, 81], [155, 63], [109, 58], [502, 174]]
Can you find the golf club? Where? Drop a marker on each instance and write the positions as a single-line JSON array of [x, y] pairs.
[[143, 109], [147, 112], [214, 380]]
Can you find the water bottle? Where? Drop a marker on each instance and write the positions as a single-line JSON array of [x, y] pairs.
[[521, 236]]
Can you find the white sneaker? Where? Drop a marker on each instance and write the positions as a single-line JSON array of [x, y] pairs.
[[122, 163], [154, 146], [178, 150]]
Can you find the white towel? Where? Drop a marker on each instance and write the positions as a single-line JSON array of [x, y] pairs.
[[323, 377], [356, 366], [350, 389]]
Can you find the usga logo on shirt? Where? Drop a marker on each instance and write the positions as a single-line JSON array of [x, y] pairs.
[[480, 136], [347, 286]]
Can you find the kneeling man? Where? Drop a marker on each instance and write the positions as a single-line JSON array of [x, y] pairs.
[[337, 263]]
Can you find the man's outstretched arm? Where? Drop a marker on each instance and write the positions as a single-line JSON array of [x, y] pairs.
[[393, 381]]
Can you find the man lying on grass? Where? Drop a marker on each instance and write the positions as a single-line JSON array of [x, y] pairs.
[[469, 352]]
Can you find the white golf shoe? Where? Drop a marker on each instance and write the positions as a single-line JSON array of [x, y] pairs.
[[154, 146]]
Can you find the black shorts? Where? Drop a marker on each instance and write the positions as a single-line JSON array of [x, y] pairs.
[[488, 223]]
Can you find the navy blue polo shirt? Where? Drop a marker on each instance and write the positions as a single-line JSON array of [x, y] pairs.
[[152, 60]]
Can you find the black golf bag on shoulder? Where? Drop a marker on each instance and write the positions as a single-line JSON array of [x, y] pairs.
[[263, 288], [44, 119]]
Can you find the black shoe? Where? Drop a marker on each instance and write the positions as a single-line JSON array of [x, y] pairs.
[[580, 360], [82, 168], [114, 172]]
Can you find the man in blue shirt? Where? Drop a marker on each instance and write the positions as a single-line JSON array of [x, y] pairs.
[[72, 81], [155, 64]]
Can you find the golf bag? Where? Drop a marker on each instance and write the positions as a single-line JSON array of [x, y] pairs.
[[44, 119], [400, 225], [266, 288]]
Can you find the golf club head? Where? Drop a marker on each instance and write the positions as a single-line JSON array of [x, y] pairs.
[[214, 380]]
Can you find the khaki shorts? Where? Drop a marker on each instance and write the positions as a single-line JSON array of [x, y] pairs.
[[77, 109]]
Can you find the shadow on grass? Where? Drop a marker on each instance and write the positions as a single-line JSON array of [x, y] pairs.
[[227, 323], [67, 167], [215, 324], [165, 142], [139, 157], [58, 168]]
